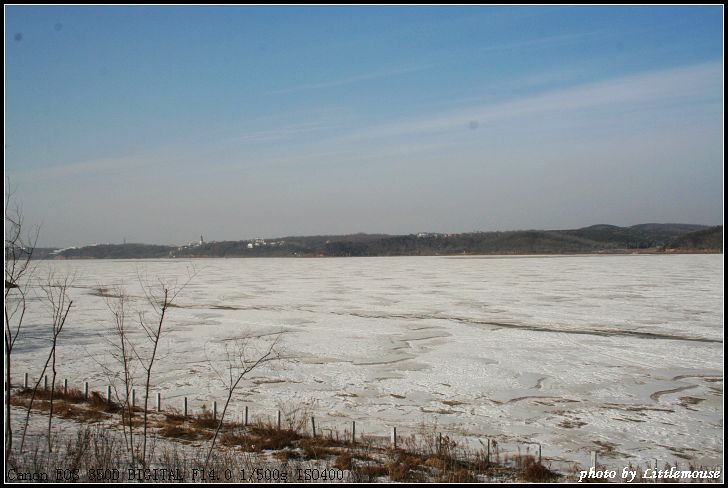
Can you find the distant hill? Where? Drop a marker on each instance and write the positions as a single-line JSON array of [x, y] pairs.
[[43, 252], [593, 239], [642, 236], [115, 251], [711, 238]]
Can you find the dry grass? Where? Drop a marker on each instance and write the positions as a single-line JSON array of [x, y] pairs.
[[204, 420], [181, 431], [73, 395], [273, 439], [423, 458], [405, 467], [62, 409], [70, 411], [259, 437], [286, 455], [370, 473], [344, 461], [315, 448], [99, 403], [538, 473]]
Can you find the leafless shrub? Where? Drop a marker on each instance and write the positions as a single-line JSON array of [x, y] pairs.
[[242, 358], [59, 303], [19, 247], [160, 298]]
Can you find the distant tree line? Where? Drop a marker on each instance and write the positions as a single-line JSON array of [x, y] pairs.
[[596, 238]]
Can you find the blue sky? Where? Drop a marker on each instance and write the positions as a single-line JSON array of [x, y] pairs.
[[158, 124]]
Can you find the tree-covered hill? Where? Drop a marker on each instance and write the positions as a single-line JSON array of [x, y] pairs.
[[592, 239]]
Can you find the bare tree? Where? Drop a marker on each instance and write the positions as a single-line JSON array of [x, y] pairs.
[[123, 353], [56, 291], [19, 247], [160, 298], [240, 360], [128, 351]]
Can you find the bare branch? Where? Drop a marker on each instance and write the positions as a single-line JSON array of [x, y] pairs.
[[238, 366]]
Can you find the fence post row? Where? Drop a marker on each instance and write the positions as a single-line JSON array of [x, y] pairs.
[[245, 415]]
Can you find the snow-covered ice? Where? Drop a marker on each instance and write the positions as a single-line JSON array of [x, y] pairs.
[[620, 353]]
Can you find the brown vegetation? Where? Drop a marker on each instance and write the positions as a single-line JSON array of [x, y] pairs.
[[370, 459]]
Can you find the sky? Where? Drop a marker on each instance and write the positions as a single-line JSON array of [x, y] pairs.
[[161, 124]]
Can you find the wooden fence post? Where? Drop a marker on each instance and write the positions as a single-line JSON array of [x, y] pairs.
[[85, 390], [65, 386], [45, 382], [108, 393], [185, 406], [245, 416], [313, 426], [279, 420], [133, 397], [353, 431], [25, 381], [214, 410], [394, 437], [159, 402]]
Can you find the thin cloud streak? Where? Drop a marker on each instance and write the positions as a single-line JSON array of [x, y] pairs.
[[540, 42], [646, 91], [643, 90], [102, 167], [353, 79], [279, 134]]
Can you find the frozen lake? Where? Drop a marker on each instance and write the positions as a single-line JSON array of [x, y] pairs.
[[620, 354]]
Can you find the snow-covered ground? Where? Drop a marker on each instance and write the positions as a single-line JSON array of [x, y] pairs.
[[621, 354]]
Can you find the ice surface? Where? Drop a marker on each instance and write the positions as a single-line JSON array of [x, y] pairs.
[[575, 353]]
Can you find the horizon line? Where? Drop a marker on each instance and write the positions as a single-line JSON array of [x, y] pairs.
[[77, 246]]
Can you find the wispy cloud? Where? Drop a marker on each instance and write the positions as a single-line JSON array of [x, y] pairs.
[[644, 90], [607, 105], [278, 134], [545, 41], [283, 147], [353, 79], [100, 166]]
